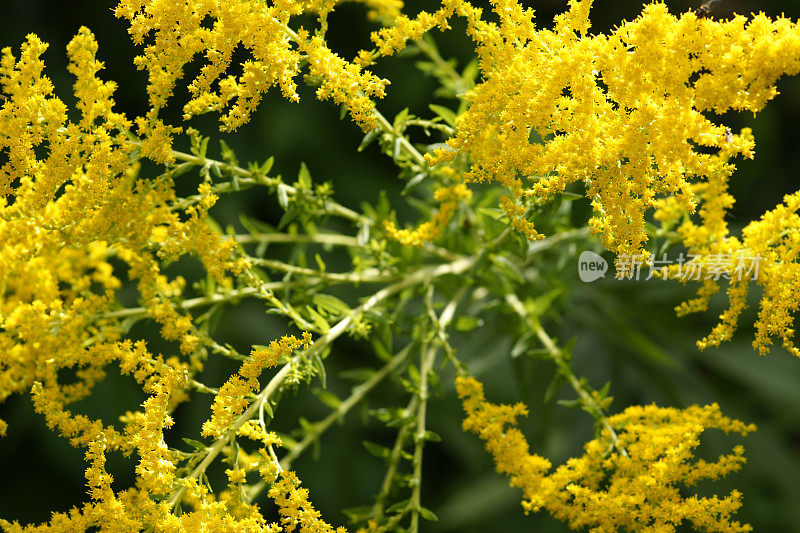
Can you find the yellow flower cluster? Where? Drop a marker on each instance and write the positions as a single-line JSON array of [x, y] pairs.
[[143, 434], [622, 114], [448, 198], [767, 254], [181, 30], [232, 398], [344, 82], [75, 224], [297, 513], [606, 490]]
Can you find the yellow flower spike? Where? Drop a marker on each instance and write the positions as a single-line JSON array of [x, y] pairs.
[[232, 398], [607, 110], [604, 490], [448, 198], [297, 513], [172, 34]]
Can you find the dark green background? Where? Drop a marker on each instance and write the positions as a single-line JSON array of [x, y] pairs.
[[627, 332]]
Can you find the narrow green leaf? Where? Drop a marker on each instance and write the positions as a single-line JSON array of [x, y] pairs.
[[554, 386], [368, 138], [319, 320], [432, 436], [328, 398], [376, 449], [283, 197], [427, 514], [399, 506], [468, 323], [267, 166], [400, 119], [508, 267], [363, 235], [413, 183], [196, 444], [323, 376], [446, 114], [331, 303], [304, 177]]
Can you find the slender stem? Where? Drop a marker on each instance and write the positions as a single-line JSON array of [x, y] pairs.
[[321, 238], [387, 127], [371, 275], [426, 365], [335, 208], [417, 277], [563, 367], [394, 460], [201, 301], [444, 320], [321, 427]]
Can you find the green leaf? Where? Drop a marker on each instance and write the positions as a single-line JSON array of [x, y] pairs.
[[427, 514], [363, 235], [471, 71], [381, 351], [287, 217], [506, 266], [320, 262], [318, 319], [570, 196], [467, 323], [227, 154], [357, 374], [331, 304], [196, 444], [413, 373], [399, 506], [554, 386], [400, 119], [491, 212], [323, 376], [569, 347], [522, 344], [255, 226], [328, 398], [358, 514], [570, 403], [376, 449], [541, 304], [206, 482], [432, 436], [304, 178], [267, 166], [413, 183], [210, 319], [446, 114], [368, 138], [283, 197]]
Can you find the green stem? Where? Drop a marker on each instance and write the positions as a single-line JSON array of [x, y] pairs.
[[393, 462], [387, 127], [318, 238], [368, 276], [557, 357], [335, 208], [417, 277], [426, 365], [321, 427], [201, 301]]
